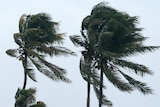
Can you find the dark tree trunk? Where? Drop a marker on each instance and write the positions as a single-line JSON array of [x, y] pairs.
[[25, 80], [25, 74], [88, 94], [101, 88]]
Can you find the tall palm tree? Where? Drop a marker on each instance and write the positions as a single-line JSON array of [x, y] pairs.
[[113, 36], [87, 65], [26, 98], [37, 38]]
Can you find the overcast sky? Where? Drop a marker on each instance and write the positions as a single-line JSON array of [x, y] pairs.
[[70, 14]]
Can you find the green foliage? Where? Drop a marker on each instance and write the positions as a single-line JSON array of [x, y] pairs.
[[108, 37], [39, 104], [12, 52], [120, 30], [105, 101], [117, 36], [26, 98], [36, 39], [39, 28]]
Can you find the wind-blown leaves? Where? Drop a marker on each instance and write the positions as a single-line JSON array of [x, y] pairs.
[[36, 39], [77, 40], [88, 72], [113, 77], [105, 101], [29, 70], [61, 51], [91, 76], [22, 21], [39, 104], [85, 69], [26, 98], [137, 68], [12, 52], [142, 87], [52, 50], [108, 36], [138, 50], [52, 71]]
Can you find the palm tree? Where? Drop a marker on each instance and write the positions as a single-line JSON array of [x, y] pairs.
[[113, 36], [26, 98], [36, 37], [87, 68]]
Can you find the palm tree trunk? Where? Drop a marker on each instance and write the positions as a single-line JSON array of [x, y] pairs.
[[88, 94], [25, 80], [101, 88], [25, 74]]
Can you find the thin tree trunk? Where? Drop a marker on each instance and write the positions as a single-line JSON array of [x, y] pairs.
[[25, 74], [25, 80], [101, 88], [88, 94]]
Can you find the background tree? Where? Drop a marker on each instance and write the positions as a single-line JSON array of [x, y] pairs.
[[39, 104], [114, 36], [26, 98], [37, 38]]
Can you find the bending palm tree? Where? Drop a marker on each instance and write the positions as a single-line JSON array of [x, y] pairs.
[[87, 65], [37, 34], [113, 36]]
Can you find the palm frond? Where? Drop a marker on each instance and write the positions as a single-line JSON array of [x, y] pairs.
[[13, 52], [88, 72], [142, 87], [110, 55], [18, 38], [137, 68], [112, 76], [100, 6], [85, 69], [25, 98], [50, 70], [85, 24], [43, 48], [49, 27], [51, 50], [59, 51], [54, 72], [96, 77], [22, 21], [77, 40], [138, 49], [33, 34], [105, 101], [33, 54], [59, 72], [29, 70], [43, 21], [39, 104]]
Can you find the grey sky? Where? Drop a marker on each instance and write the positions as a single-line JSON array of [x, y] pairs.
[[70, 14]]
